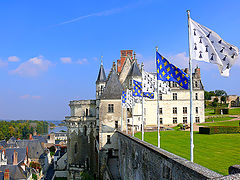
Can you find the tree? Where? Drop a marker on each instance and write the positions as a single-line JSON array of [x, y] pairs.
[[220, 93], [207, 95], [223, 99], [215, 100]]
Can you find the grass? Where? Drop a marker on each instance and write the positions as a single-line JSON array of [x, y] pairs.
[[210, 111], [225, 123], [234, 111], [216, 152], [216, 119]]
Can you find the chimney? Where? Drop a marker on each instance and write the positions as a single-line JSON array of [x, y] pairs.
[[6, 174], [30, 137], [124, 55], [15, 157], [186, 70], [114, 66], [197, 72]]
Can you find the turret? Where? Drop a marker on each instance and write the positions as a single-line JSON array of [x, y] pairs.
[[101, 81]]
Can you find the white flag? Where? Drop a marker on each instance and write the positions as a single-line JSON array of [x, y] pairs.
[[208, 46], [150, 84], [128, 102]]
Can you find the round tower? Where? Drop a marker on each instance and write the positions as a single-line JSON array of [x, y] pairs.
[[101, 81]]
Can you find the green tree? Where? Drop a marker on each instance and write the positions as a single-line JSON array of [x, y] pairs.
[[220, 93], [223, 99]]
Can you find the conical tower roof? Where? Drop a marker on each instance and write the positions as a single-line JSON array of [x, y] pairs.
[[101, 75], [113, 88], [134, 71]]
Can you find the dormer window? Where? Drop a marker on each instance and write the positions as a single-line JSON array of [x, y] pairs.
[[196, 83]]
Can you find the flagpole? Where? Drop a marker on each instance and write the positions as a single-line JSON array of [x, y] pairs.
[[142, 110], [126, 123], [158, 122], [121, 115], [132, 121], [191, 101]]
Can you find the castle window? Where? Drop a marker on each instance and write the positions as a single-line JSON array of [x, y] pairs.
[[160, 97], [174, 120], [196, 110], [102, 87], [174, 96], [196, 96], [185, 120], [116, 124], [197, 119], [174, 84], [196, 84], [161, 122], [85, 130], [108, 139], [75, 148], [175, 110], [145, 111], [86, 112], [184, 110], [110, 108], [160, 110]]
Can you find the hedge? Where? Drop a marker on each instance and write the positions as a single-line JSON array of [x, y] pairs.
[[221, 111], [219, 130]]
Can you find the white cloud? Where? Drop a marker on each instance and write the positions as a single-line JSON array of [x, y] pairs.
[[13, 59], [82, 61], [66, 60], [32, 67], [3, 63], [28, 96]]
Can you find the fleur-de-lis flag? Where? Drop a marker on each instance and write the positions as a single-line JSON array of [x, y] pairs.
[[137, 90], [208, 46], [168, 72]]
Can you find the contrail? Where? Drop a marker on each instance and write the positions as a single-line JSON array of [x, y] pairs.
[[103, 13]]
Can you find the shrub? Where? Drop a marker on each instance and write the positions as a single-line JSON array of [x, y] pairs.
[[219, 130]]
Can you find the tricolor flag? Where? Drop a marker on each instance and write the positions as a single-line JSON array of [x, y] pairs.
[[208, 46], [168, 72], [150, 84]]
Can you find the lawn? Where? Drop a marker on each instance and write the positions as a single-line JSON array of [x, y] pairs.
[[225, 123], [210, 112], [216, 152], [234, 111], [215, 119]]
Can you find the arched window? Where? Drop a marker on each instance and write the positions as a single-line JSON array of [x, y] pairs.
[[75, 148]]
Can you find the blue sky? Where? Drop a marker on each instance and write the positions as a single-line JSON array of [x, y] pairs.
[[50, 50]]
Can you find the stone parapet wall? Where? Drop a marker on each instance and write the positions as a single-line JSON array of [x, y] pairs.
[[141, 160]]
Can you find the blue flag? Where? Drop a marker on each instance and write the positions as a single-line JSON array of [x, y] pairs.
[[168, 72], [137, 90], [124, 98]]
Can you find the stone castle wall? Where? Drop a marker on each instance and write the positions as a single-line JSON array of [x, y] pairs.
[[141, 160]]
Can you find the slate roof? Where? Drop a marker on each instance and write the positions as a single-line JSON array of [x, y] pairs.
[[113, 88], [15, 172], [40, 138], [12, 140], [134, 71], [34, 147], [9, 154], [3, 143], [101, 75]]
